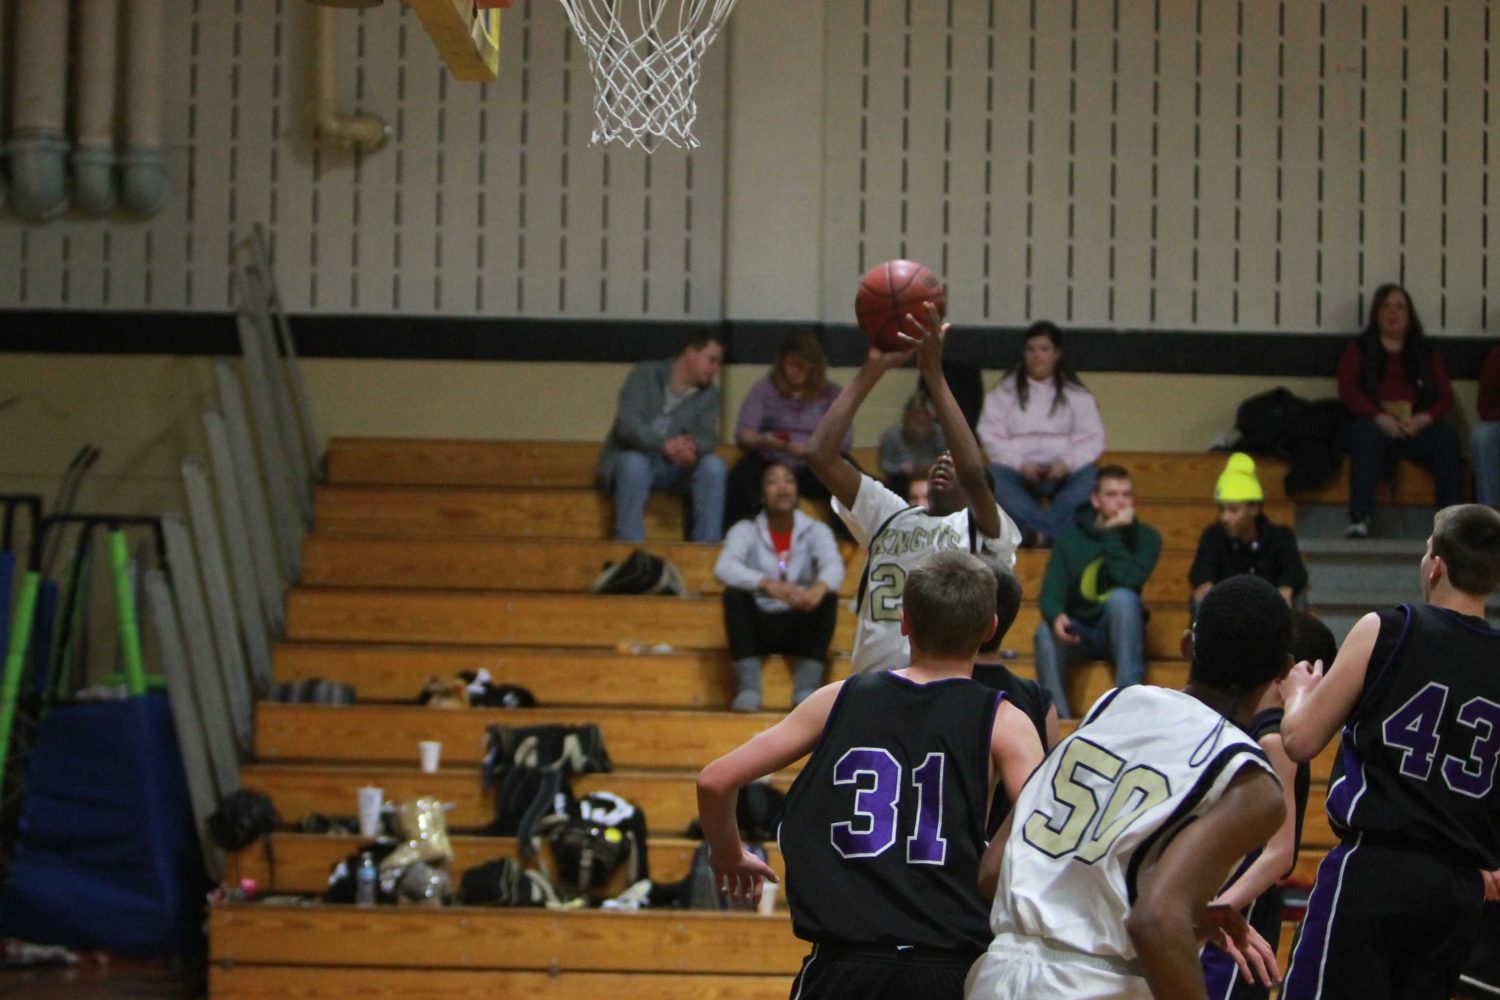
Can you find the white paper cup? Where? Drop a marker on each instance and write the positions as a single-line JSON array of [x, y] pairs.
[[371, 801], [767, 905], [430, 751]]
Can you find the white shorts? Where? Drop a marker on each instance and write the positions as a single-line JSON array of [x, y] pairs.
[[1023, 968]]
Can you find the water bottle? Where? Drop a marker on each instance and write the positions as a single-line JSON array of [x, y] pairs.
[[364, 880]]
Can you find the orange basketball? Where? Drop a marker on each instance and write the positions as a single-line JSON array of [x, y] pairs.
[[888, 292]]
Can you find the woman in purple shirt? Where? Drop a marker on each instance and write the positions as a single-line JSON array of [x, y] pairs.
[[779, 414]]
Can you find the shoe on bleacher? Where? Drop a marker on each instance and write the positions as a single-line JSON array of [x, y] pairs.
[[637, 897], [1359, 527], [748, 700]]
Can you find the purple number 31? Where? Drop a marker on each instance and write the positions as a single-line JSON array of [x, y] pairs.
[[1414, 729], [873, 830]]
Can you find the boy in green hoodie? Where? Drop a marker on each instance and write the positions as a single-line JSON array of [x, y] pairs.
[[1091, 593]]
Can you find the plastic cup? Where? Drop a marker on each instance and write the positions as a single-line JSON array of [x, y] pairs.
[[767, 905], [371, 801], [431, 751]]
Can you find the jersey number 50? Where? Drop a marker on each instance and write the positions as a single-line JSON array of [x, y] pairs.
[[876, 775], [1078, 827]]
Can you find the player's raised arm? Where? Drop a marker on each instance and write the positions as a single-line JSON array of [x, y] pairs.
[[1163, 923], [823, 456], [968, 460], [1317, 705]]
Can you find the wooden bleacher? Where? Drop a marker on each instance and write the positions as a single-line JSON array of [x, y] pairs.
[[431, 557]]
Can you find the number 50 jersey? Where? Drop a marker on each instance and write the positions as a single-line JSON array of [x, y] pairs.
[[884, 827], [1094, 818]]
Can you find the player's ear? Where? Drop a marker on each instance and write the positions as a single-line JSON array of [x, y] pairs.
[[905, 629], [989, 633], [1185, 644]]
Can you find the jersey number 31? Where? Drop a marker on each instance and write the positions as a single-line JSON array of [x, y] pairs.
[[876, 775]]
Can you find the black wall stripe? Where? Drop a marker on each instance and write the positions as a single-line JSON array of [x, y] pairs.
[[453, 339]]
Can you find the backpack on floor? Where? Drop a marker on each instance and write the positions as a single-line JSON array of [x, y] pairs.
[[640, 573]]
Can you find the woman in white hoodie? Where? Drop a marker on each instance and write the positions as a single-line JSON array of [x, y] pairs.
[[781, 572], [1041, 431]]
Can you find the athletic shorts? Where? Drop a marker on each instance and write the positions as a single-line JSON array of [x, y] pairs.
[[1482, 972], [856, 972], [1022, 968], [1385, 922]]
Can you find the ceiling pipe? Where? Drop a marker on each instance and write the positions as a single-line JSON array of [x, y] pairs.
[[38, 145], [94, 189], [364, 132], [143, 171]]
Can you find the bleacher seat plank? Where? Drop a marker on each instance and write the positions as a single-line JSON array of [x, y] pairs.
[[483, 938], [272, 982], [334, 614], [390, 733], [669, 798], [474, 512], [580, 677], [571, 565], [303, 860]]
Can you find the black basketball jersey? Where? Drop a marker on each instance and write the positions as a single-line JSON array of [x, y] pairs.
[[1419, 751], [1033, 700], [884, 827]]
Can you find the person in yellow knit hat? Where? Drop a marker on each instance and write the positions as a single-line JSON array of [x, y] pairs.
[[1243, 540]]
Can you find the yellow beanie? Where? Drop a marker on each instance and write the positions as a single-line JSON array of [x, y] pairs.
[[1237, 483]]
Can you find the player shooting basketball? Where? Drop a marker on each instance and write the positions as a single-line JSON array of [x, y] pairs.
[[961, 511]]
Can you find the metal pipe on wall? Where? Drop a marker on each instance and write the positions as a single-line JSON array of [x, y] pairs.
[[38, 143], [94, 150], [143, 172]]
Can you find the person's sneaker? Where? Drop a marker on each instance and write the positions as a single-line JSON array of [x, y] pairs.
[[746, 701], [1358, 528]]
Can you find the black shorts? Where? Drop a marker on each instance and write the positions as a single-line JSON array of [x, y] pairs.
[[1481, 976], [1385, 922], [839, 972]]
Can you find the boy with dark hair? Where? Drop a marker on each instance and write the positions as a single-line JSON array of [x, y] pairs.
[[1396, 907], [1117, 843], [884, 826], [1255, 888]]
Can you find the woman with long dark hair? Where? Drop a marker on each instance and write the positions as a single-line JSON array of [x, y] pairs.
[[1041, 431], [1394, 384]]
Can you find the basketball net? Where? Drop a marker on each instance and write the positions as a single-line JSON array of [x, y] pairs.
[[644, 56]]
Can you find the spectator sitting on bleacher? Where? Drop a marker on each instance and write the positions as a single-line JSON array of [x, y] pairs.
[[778, 415], [1484, 441], [1091, 591], [781, 573], [663, 438], [908, 449], [1041, 431], [1397, 389], [1243, 540]]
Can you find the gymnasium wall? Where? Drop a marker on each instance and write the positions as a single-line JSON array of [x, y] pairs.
[[1218, 172]]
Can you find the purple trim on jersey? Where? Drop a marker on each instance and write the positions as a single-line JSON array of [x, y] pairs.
[[1372, 682], [1345, 792], [1304, 979], [1105, 700], [838, 702], [1476, 625], [922, 684]]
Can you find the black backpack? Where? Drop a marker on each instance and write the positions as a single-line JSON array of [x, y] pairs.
[[527, 767], [505, 882], [640, 573], [601, 834]]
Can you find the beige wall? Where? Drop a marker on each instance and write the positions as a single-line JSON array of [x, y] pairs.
[[145, 412]]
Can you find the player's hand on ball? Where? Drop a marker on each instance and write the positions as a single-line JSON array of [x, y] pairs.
[[1223, 927], [741, 879], [883, 361], [928, 331]]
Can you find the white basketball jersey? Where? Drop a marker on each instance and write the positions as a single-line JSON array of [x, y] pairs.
[[1093, 819], [895, 535]]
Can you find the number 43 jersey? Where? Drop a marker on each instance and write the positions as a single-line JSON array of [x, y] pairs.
[[1094, 818], [1419, 751], [884, 827]]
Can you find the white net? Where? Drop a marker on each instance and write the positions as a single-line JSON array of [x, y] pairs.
[[645, 57]]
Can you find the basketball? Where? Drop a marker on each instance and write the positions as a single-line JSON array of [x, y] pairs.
[[888, 292]]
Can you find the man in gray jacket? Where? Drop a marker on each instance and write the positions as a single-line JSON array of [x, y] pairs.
[[665, 431], [781, 572]]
